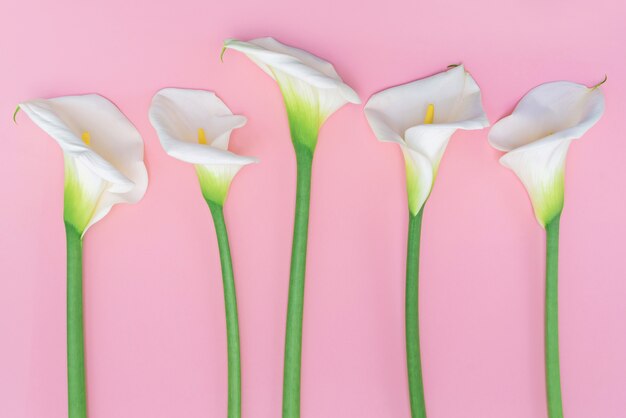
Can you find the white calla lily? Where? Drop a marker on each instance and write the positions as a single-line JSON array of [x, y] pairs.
[[312, 91], [103, 154], [311, 88], [537, 135], [195, 126], [103, 166], [421, 116]]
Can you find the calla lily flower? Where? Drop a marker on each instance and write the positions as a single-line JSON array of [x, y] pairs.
[[103, 154], [537, 136], [421, 116], [312, 91], [311, 88], [195, 126]]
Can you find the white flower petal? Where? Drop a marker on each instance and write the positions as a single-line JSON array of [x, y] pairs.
[[110, 169], [66, 118], [177, 114], [430, 141], [538, 134], [454, 94], [541, 169], [561, 109], [377, 119], [299, 73], [271, 56], [398, 115]]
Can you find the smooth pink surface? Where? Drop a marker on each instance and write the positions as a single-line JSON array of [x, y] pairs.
[[155, 336]]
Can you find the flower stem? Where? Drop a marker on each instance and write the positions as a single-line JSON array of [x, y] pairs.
[[76, 392], [230, 303], [553, 374], [295, 306], [413, 357]]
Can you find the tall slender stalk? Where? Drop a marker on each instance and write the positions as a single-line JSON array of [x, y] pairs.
[[76, 390], [230, 303], [295, 306], [413, 356], [553, 369]]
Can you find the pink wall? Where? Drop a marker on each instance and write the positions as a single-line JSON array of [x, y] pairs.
[[154, 310]]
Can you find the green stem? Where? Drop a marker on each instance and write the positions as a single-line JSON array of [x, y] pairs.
[[76, 392], [295, 306], [413, 357], [553, 370], [230, 303]]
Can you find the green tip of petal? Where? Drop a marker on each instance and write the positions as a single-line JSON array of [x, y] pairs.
[[600, 83], [223, 52], [453, 66], [17, 109]]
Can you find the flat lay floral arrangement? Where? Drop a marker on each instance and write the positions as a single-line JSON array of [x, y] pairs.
[[104, 165]]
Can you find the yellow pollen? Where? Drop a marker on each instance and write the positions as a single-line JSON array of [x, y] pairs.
[[86, 137], [201, 136], [430, 114]]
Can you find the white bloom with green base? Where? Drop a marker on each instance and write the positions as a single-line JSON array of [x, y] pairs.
[[312, 91], [311, 88], [103, 166], [195, 126], [103, 154], [421, 116], [536, 137]]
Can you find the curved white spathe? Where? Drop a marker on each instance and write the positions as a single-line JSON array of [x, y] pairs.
[[195, 126], [311, 87], [421, 116], [537, 135], [103, 154]]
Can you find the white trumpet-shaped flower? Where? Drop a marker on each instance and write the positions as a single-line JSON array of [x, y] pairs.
[[311, 88], [537, 135], [312, 91], [421, 116], [103, 154], [195, 126]]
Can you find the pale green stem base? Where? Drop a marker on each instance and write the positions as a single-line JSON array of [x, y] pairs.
[[553, 370], [413, 357], [295, 307], [76, 390], [230, 303]]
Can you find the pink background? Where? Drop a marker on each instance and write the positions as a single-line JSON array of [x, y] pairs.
[[155, 332]]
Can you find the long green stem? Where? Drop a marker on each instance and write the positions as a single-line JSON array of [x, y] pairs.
[[295, 306], [553, 369], [232, 321], [76, 392], [413, 357]]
